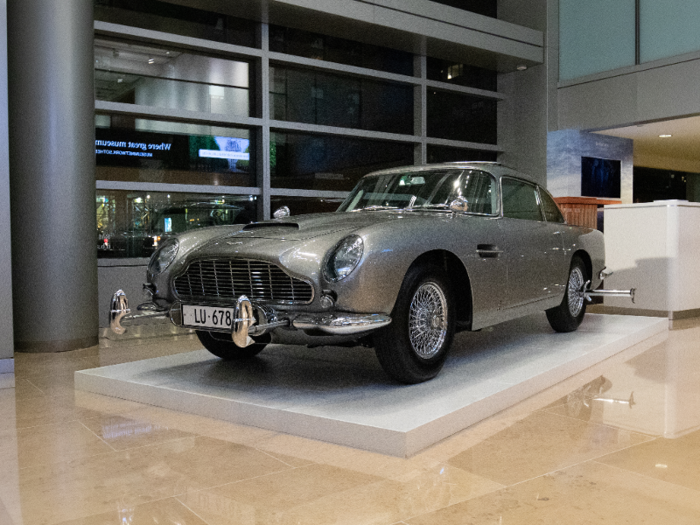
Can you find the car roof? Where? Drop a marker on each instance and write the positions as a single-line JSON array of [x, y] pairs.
[[496, 169]]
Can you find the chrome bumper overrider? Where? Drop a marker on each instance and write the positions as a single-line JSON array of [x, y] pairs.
[[246, 323]]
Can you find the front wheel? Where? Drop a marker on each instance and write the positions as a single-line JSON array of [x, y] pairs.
[[568, 315], [413, 348], [227, 349]]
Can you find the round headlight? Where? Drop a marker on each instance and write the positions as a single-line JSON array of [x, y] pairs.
[[163, 257], [344, 258]]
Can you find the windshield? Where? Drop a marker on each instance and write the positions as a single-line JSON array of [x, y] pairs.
[[424, 190]]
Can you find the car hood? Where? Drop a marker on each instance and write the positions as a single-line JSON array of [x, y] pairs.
[[305, 227]]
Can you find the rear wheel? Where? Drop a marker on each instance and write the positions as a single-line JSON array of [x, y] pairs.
[[413, 348], [226, 349], [568, 315]]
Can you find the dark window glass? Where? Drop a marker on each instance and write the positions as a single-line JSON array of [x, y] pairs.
[[600, 177], [446, 154], [479, 189], [325, 162], [482, 7], [552, 213], [134, 223], [654, 184], [177, 19], [299, 95], [520, 200], [131, 149], [461, 74], [136, 73], [333, 49], [302, 205], [461, 117]]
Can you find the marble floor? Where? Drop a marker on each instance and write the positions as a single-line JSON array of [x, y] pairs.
[[617, 443]]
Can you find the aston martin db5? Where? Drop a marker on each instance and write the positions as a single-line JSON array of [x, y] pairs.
[[411, 256]]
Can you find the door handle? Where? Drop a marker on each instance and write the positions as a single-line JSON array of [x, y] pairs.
[[488, 251]]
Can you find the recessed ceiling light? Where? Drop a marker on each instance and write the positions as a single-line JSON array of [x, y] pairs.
[[666, 136], [521, 67]]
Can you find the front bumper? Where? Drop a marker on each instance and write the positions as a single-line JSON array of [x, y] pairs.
[[251, 319]]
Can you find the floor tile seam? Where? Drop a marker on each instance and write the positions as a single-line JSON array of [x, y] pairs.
[[177, 498], [97, 436], [488, 492], [33, 385], [566, 467], [650, 478], [281, 460], [276, 472], [650, 436]]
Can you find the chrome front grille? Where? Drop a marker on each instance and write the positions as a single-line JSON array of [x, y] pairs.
[[225, 279]]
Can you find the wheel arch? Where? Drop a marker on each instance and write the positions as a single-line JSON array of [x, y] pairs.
[[583, 255], [459, 278]]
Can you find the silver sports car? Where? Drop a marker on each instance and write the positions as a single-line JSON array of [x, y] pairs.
[[411, 256]]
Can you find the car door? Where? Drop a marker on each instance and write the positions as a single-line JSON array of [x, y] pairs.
[[481, 244], [532, 246]]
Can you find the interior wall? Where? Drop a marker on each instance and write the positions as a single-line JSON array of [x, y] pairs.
[[565, 149]]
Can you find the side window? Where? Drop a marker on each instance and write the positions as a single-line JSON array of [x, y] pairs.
[[479, 189], [520, 200], [552, 213]]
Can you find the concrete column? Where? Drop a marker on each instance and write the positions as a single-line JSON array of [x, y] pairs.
[[7, 369], [52, 174]]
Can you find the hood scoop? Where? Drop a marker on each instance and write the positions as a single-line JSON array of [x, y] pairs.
[[256, 226]]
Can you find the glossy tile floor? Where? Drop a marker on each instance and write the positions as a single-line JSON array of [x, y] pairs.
[[619, 445]]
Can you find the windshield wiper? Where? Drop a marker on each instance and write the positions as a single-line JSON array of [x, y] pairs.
[[378, 207], [431, 206]]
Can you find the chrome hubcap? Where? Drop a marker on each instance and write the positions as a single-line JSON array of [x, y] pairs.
[[575, 292], [427, 320]]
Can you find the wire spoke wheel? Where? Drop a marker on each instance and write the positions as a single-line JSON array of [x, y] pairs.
[[427, 320], [575, 296]]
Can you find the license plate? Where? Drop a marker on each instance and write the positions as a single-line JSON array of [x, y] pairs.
[[208, 317]]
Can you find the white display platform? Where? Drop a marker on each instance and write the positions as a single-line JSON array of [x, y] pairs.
[[341, 395]]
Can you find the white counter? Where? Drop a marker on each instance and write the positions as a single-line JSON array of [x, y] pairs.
[[655, 248]]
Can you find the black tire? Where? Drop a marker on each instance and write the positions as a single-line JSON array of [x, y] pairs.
[[228, 350], [568, 315], [410, 358]]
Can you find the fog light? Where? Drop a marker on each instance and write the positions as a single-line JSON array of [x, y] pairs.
[[327, 301]]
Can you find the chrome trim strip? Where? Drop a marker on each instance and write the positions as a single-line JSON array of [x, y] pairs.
[[342, 324]]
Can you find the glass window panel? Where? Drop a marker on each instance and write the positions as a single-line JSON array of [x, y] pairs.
[[552, 213], [131, 149], [299, 95], [133, 223], [461, 74], [668, 28], [446, 154], [177, 19], [332, 163], [482, 7], [461, 117], [135, 73], [302, 205], [322, 47], [595, 36], [520, 200]]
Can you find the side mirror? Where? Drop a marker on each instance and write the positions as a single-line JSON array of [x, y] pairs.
[[281, 213], [459, 205]]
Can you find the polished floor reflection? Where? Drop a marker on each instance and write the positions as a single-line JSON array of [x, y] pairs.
[[620, 445]]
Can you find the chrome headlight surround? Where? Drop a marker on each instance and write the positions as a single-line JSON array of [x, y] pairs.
[[163, 257], [343, 258]]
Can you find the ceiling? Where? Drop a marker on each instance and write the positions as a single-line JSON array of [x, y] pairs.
[[680, 151]]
